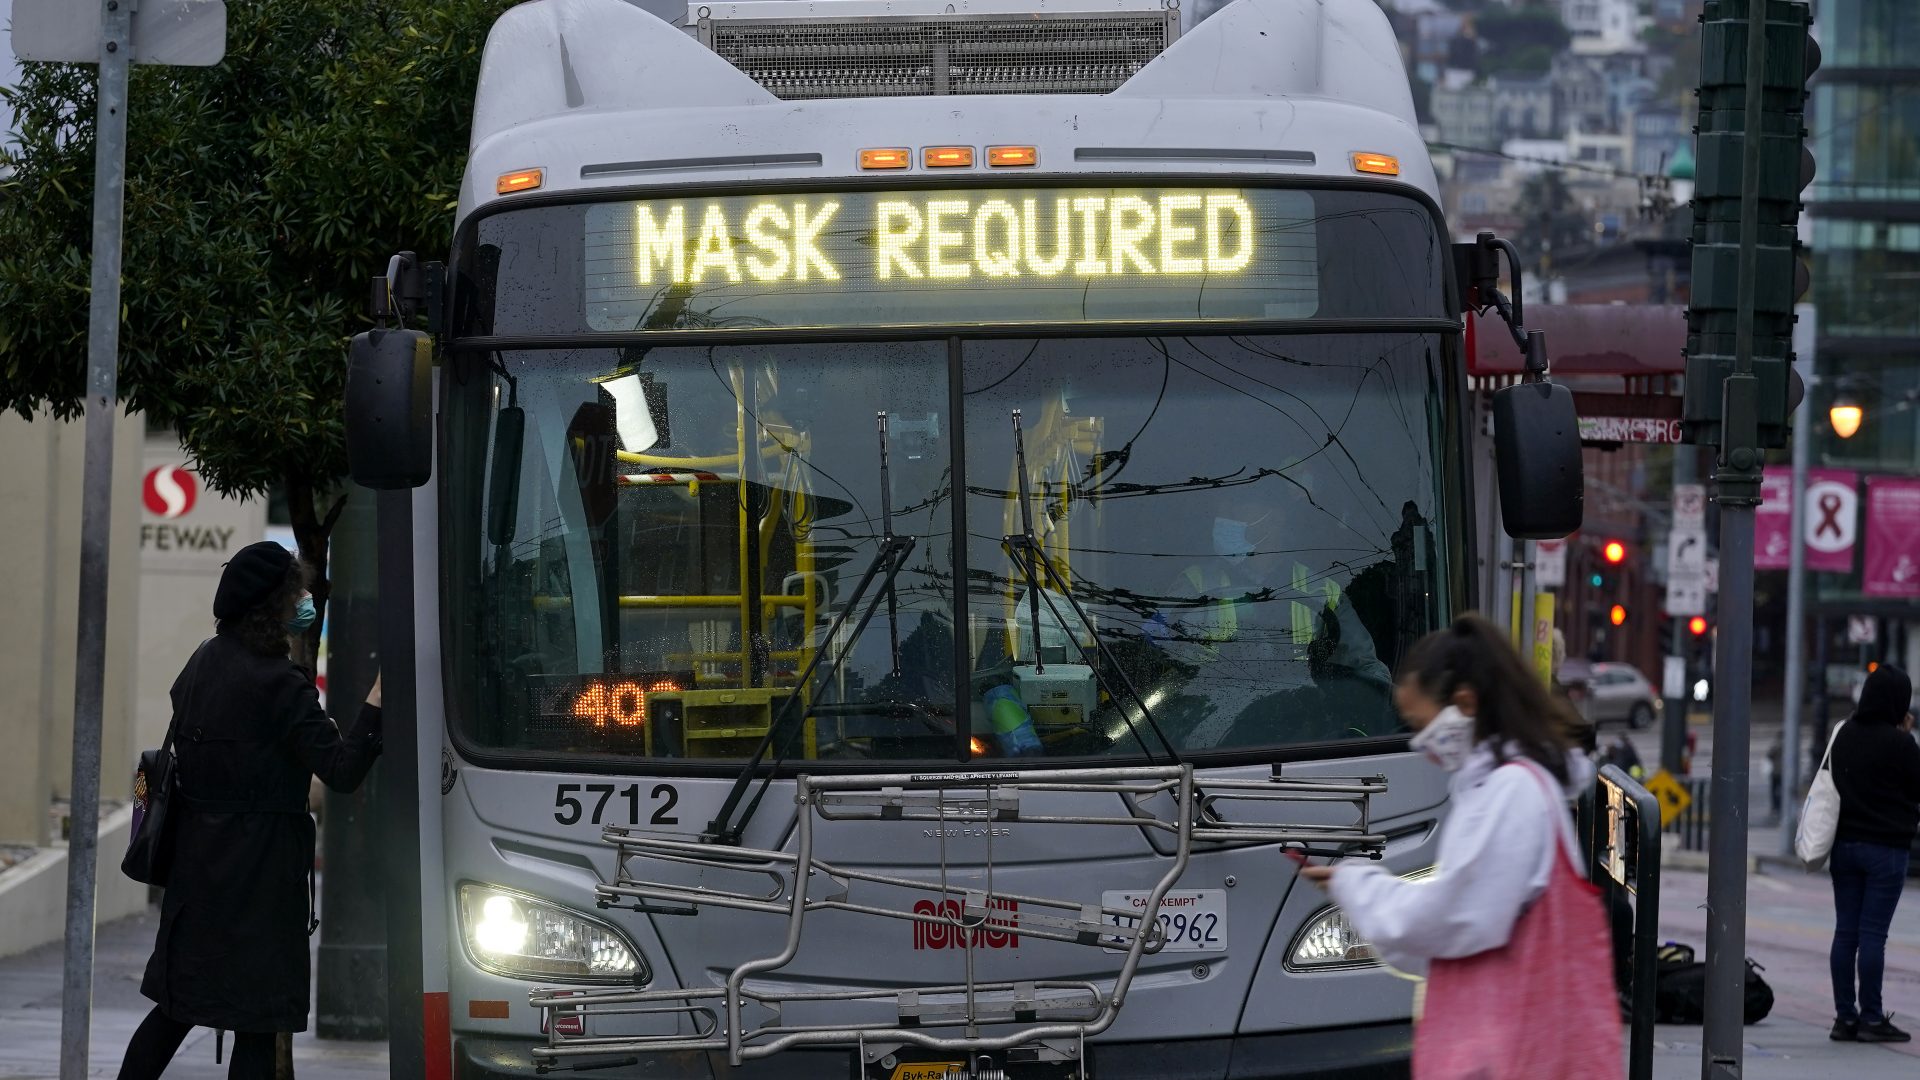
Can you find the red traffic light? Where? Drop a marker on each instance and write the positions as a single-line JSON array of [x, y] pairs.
[[1697, 626], [1615, 553], [1618, 615]]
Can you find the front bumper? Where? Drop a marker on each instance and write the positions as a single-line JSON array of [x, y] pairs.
[[1367, 1052]]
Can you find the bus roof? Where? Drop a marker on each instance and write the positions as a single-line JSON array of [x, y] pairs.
[[600, 94]]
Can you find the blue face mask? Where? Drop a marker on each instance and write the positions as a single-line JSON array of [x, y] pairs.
[[1230, 538], [303, 615]]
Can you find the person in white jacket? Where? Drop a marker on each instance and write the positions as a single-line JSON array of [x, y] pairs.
[[1478, 712]]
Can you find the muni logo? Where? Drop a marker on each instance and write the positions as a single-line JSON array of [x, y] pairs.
[[950, 934]]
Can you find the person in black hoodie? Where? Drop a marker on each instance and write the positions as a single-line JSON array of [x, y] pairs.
[[1876, 767], [231, 952]]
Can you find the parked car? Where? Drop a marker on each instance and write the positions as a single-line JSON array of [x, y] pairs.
[[1606, 692]]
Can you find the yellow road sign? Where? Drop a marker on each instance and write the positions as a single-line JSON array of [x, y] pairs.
[[1672, 795]]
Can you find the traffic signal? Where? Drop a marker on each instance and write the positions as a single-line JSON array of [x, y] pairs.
[[1597, 580], [1786, 167], [1614, 552], [1617, 615], [1697, 626]]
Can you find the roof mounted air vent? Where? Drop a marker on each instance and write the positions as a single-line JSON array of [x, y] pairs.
[[807, 49]]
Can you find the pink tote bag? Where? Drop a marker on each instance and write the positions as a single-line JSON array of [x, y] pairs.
[[1541, 1007]]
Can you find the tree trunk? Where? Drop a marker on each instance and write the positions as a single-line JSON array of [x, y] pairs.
[[311, 529]]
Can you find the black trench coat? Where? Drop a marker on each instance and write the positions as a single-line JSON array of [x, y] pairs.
[[232, 947]]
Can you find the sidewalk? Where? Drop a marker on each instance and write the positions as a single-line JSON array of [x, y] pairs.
[[30, 1017], [1789, 927]]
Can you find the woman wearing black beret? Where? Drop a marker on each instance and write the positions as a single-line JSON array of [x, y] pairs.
[[231, 952]]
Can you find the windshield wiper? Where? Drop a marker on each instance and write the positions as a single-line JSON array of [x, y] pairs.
[[1024, 548], [791, 719]]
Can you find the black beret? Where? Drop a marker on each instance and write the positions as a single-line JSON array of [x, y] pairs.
[[250, 578]]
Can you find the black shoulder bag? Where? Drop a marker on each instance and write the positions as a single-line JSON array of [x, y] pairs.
[[155, 785]]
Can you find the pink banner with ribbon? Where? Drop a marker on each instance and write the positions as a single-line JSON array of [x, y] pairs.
[[1893, 537], [1833, 520], [1773, 520]]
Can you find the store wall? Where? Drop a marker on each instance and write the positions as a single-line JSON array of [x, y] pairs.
[[40, 487]]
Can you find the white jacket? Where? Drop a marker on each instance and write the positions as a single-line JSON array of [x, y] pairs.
[[1496, 854]]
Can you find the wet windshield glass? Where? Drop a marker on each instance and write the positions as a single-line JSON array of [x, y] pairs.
[[1246, 523], [666, 552]]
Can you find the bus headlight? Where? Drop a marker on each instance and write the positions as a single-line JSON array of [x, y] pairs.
[[1328, 941], [523, 937]]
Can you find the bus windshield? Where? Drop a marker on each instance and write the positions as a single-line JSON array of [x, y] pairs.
[[663, 552]]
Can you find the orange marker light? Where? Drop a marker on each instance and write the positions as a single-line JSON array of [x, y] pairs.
[[1002, 157], [524, 180], [894, 158], [1377, 164], [947, 157]]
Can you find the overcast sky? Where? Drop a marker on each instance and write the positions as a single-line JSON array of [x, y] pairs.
[[9, 67]]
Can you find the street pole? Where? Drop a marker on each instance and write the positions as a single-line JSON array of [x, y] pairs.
[[1673, 727], [1523, 579], [1796, 677], [1738, 481], [96, 512]]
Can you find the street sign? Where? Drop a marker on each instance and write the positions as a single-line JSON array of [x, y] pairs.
[[1672, 794], [1550, 563], [1686, 573], [1626, 429], [1862, 630], [1690, 508], [187, 33]]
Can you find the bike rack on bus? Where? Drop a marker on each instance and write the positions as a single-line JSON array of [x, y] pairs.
[[1043, 1020]]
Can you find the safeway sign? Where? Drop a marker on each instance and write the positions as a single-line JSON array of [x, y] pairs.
[[169, 491], [184, 527]]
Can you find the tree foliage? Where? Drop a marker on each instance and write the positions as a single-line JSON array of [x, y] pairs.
[[261, 195], [1551, 219]]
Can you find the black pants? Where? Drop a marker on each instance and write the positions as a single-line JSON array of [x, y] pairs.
[[159, 1035]]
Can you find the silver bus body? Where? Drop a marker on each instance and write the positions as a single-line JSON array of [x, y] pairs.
[[818, 929]]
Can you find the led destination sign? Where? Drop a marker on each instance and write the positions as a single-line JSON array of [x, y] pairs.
[[907, 258]]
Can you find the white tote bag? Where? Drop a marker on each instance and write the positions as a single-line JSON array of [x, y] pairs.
[[1820, 817]]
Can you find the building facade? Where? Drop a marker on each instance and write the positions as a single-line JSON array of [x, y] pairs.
[[1864, 213]]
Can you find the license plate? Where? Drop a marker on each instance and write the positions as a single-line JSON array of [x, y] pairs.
[[925, 1070], [1194, 920]]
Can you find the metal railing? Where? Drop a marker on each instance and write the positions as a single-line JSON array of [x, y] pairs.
[[1693, 822], [1620, 821]]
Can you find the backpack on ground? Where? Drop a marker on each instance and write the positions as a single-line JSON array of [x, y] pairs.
[[1680, 988]]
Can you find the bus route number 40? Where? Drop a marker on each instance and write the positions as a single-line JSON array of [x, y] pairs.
[[1194, 920], [574, 803]]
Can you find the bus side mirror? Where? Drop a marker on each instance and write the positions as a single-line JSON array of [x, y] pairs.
[[503, 474], [1536, 449], [389, 409]]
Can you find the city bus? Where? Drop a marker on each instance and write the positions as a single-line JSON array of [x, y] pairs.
[[914, 508]]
